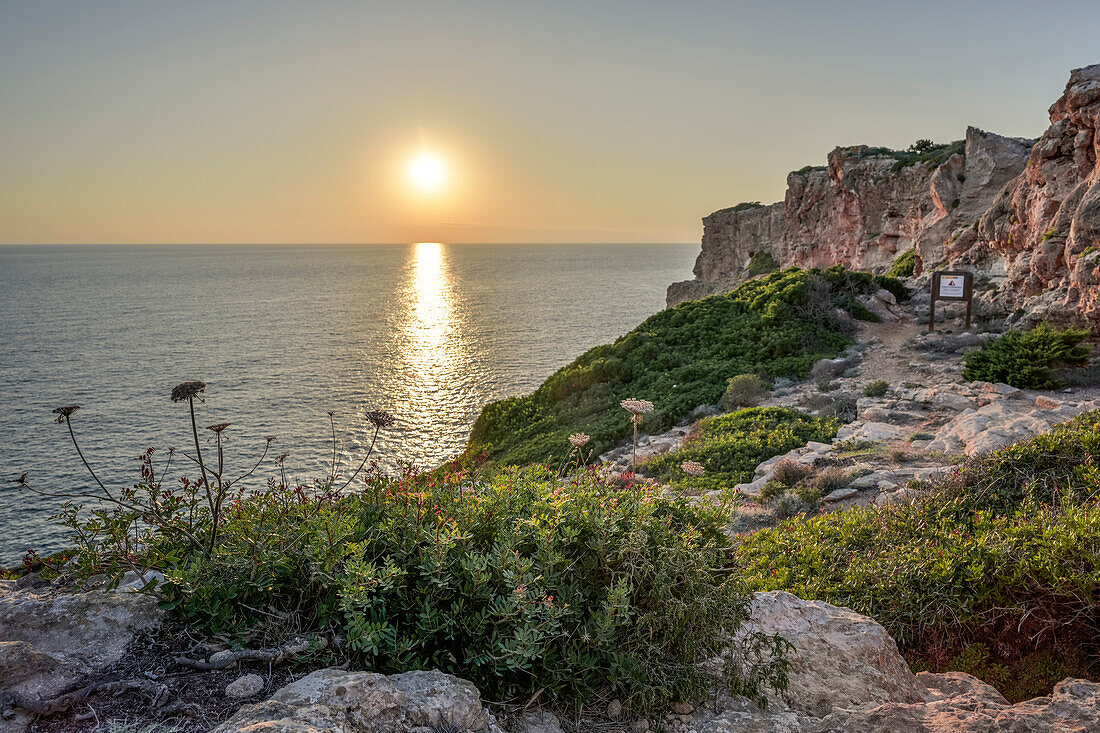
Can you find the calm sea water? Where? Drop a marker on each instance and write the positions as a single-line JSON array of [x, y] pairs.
[[281, 335]]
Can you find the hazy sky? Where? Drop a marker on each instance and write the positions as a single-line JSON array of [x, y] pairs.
[[558, 121]]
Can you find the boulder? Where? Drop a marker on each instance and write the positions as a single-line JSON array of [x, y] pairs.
[[337, 701], [51, 640], [245, 686], [840, 658], [437, 699], [846, 676]]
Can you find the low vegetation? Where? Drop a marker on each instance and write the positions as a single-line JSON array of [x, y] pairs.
[[993, 570], [877, 388], [904, 265], [1025, 359], [776, 325], [761, 263], [744, 390], [730, 446], [923, 151], [519, 580]]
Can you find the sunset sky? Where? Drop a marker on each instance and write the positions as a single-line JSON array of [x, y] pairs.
[[483, 121]]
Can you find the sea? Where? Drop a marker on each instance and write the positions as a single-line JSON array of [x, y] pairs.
[[282, 335]]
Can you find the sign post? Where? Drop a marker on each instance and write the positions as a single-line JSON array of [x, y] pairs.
[[951, 286]]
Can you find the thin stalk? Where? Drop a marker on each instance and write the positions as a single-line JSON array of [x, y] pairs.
[[364, 462], [69, 425], [332, 423]]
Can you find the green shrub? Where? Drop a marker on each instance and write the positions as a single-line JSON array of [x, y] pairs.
[[772, 490], [772, 326], [831, 479], [877, 388], [1024, 359], [520, 582], [761, 263], [744, 390], [904, 265], [1049, 234], [1006, 549], [730, 447]]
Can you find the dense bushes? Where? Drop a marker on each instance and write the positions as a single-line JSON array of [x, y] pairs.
[[1024, 359], [520, 582], [904, 265], [776, 325], [731, 446], [744, 390], [1005, 553]]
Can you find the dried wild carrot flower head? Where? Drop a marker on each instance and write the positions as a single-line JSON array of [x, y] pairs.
[[579, 440], [692, 468], [281, 457], [187, 390], [64, 412], [637, 407], [219, 427], [380, 418]]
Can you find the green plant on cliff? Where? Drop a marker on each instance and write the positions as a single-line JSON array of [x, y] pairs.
[[1005, 551], [904, 265], [731, 446], [743, 206], [521, 581], [1024, 359], [760, 263], [776, 325]]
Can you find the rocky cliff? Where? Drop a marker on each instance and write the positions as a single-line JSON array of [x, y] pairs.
[[1024, 214]]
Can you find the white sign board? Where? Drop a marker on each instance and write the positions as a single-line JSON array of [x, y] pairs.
[[951, 286]]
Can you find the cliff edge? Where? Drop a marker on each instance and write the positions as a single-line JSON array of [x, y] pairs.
[[1024, 214]]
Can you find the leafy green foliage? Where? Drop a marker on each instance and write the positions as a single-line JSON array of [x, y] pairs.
[[731, 446], [519, 581], [744, 390], [1024, 359], [761, 263], [743, 206], [776, 325], [877, 388], [922, 151], [904, 265], [1005, 551]]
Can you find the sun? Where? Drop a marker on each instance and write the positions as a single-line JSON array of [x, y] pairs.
[[427, 172]]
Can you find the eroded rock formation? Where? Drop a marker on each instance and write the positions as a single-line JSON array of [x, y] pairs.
[[1023, 214]]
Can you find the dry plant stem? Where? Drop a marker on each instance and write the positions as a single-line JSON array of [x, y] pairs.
[[332, 423], [365, 458], [64, 702], [198, 453], [273, 655], [69, 425], [634, 460], [251, 471]]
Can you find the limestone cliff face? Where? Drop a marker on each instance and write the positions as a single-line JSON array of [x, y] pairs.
[[1023, 214], [1040, 238], [863, 209]]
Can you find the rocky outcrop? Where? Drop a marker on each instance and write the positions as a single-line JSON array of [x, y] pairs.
[[862, 209], [1023, 214], [338, 701], [846, 676], [1040, 238], [52, 639]]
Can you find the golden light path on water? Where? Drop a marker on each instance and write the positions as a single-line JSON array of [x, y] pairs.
[[434, 353]]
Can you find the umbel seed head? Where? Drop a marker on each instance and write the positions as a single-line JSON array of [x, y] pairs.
[[637, 407], [187, 390], [63, 413], [579, 440], [380, 418]]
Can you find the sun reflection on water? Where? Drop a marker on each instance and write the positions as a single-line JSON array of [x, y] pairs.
[[433, 352]]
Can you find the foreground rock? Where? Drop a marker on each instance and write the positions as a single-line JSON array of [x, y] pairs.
[[848, 677], [52, 640], [337, 701]]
